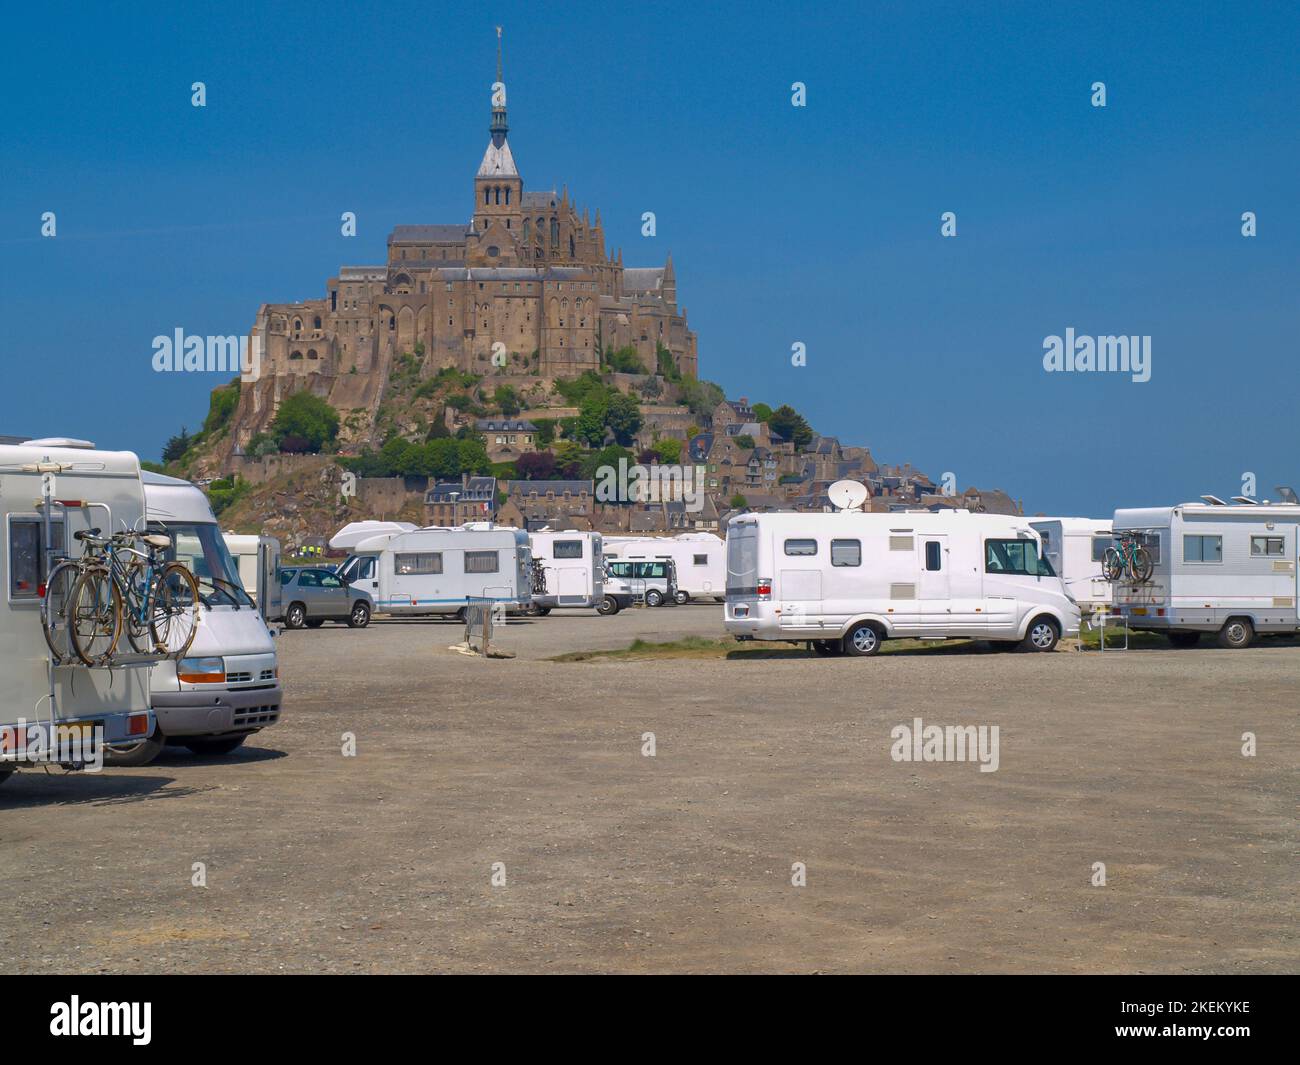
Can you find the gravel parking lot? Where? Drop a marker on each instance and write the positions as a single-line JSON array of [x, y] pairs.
[[613, 860]]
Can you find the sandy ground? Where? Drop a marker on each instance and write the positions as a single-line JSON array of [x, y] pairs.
[[683, 861]]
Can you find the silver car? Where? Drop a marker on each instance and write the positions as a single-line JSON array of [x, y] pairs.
[[313, 595]]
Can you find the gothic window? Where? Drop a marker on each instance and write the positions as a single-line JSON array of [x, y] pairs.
[[295, 355], [493, 251], [487, 196], [555, 233], [311, 353], [316, 322], [507, 195], [526, 229], [571, 251], [297, 326], [498, 194]]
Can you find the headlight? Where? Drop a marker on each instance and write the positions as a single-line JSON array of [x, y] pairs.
[[201, 670]]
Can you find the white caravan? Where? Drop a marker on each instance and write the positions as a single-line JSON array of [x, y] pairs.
[[429, 571], [846, 581], [49, 491], [258, 559], [1075, 547], [573, 564], [700, 560], [1218, 568], [227, 686]]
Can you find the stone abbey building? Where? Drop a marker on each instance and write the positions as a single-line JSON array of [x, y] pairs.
[[526, 278]]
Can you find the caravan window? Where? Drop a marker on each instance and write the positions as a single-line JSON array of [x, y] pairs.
[[27, 554], [801, 547], [1202, 548], [700, 560], [567, 549], [933, 555], [1099, 545], [480, 562], [1018, 557], [846, 552], [417, 563], [1267, 545]]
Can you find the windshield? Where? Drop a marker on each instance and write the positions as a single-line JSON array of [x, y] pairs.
[[201, 547]]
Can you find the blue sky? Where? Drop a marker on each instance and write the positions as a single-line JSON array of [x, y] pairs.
[[817, 224]]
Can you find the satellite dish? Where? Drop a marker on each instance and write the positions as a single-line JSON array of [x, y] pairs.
[[847, 495]]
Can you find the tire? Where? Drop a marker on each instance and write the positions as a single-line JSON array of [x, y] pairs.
[[1184, 639], [211, 748], [174, 618], [607, 607], [654, 597], [1112, 565], [135, 754], [360, 616], [96, 608], [827, 648], [1042, 635], [54, 610], [862, 641], [1236, 634], [1142, 565], [5, 774], [295, 616], [681, 598], [541, 611], [314, 623]]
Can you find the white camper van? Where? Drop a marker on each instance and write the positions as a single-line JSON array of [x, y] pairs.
[[1075, 547], [847, 581], [227, 686], [431, 571], [258, 559], [700, 560], [1217, 568], [573, 564], [49, 491]]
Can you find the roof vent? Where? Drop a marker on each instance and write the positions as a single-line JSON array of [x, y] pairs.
[[61, 441], [1214, 501]]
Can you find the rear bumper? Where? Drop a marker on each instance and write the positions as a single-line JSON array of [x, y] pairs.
[[219, 712]]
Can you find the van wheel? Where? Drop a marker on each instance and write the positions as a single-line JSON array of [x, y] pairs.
[[215, 747], [360, 616], [541, 611], [142, 752], [654, 597], [5, 774], [1041, 636], [681, 598], [829, 648], [607, 607], [295, 617], [1184, 639], [1236, 633], [314, 623], [862, 641]]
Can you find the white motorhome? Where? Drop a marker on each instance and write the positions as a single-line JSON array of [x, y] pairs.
[[573, 564], [433, 571], [49, 491], [700, 560], [1075, 547], [844, 582], [227, 686], [1217, 567], [258, 559]]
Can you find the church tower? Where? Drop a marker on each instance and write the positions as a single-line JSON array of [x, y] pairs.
[[498, 188]]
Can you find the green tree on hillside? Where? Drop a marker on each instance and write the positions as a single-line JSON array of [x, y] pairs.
[[307, 418]]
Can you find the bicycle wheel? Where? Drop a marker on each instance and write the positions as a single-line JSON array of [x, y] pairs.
[[1112, 565], [95, 615], [174, 617], [54, 610], [1142, 565]]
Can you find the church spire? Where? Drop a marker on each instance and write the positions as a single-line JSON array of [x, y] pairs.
[[499, 129]]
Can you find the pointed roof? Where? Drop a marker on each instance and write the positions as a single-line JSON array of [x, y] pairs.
[[497, 161]]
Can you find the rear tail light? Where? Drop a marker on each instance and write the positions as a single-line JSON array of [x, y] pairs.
[[764, 588], [138, 725]]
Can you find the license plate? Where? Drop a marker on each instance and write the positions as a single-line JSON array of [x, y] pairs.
[[84, 730], [1141, 611]]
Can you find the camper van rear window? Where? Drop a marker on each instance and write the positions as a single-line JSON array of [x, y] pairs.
[[1019, 557], [1099, 545], [1202, 548], [567, 549], [846, 552], [700, 560], [801, 547], [414, 563], [27, 554], [480, 562], [1267, 545], [933, 556]]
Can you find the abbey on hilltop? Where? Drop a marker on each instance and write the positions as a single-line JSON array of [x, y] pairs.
[[526, 278]]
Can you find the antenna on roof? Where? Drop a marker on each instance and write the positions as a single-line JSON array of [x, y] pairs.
[[1214, 501], [847, 495], [1286, 493]]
